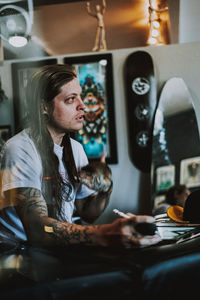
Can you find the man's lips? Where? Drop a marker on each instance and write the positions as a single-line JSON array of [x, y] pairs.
[[80, 117]]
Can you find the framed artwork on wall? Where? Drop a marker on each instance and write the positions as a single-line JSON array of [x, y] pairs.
[[98, 134], [159, 200], [165, 177], [190, 172], [21, 72]]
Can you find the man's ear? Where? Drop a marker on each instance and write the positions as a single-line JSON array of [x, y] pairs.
[[44, 108]]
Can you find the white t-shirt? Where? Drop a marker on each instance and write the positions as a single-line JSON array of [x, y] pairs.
[[21, 166]]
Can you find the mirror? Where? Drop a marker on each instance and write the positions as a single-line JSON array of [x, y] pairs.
[[176, 145]]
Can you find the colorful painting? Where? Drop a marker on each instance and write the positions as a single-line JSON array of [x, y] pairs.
[[93, 135], [93, 75]]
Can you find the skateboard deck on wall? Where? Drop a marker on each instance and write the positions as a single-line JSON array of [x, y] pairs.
[[141, 101]]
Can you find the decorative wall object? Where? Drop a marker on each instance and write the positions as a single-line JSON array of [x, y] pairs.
[[100, 40], [190, 172], [158, 23], [141, 96], [159, 200], [21, 72], [96, 79], [165, 177]]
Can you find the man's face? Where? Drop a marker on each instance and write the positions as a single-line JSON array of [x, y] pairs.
[[68, 108]]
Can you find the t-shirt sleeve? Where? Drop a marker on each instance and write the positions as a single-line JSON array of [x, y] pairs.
[[20, 166], [81, 160]]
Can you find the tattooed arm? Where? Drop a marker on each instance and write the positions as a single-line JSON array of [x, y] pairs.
[[44, 231], [41, 229], [90, 208], [96, 176]]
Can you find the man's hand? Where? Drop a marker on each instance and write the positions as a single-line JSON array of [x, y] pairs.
[[97, 175], [122, 232]]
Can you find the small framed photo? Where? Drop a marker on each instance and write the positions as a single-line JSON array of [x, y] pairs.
[[96, 79], [165, 177], [159, 200], [190, 172]]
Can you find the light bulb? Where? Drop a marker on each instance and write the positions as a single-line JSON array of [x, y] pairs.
[[152, 41], [156, 24], [17, 41], [155, 33]]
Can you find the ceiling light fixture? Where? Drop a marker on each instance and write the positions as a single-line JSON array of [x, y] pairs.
[[16, 22], [155, 23]]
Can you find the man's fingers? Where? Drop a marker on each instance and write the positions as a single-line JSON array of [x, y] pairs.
[[142, 218], [146, 240], [130, 214]]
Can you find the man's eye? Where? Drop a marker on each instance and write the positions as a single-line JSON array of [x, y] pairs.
[[70, 100]]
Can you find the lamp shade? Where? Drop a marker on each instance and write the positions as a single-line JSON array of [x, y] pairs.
[[15, 25]]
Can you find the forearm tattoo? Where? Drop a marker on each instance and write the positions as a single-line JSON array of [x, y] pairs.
[[65, 233]]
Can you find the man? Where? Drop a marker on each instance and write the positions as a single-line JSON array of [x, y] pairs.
[[46, 175], [175, 195]]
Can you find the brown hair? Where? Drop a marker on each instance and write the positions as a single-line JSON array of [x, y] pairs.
[[42, 88]]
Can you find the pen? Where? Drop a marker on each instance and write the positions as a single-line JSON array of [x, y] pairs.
[[144, 228], [120, 213]]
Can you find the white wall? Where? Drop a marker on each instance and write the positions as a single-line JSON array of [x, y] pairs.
[[131, 190], [189, 25]]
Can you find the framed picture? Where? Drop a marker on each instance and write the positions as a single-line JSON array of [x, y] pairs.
[[165, 177], [98, 134], [21, 72], [190, 172], [159, 200], [5, 133]]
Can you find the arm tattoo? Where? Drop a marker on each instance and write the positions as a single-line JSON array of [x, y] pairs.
[[32, 207], [65, 233], [91, 207], [30, 200]]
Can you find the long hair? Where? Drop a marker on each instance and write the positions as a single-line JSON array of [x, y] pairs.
[[42, 88]]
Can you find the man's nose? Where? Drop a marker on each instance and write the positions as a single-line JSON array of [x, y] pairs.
[[81, 103]]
